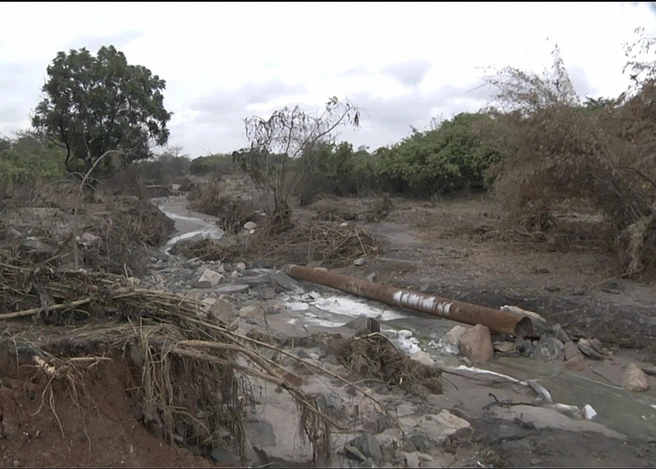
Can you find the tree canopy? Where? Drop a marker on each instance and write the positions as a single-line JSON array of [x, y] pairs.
[[93, 105]]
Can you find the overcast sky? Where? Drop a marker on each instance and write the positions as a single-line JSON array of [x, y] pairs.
[[403, 63]]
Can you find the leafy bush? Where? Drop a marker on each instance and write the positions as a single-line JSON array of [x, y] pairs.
[[30, 157], [453, 157], [450, 158]]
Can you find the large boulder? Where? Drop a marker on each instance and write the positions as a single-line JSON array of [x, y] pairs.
[[476, 344]]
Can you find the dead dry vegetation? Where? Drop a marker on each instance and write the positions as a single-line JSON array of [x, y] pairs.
[[114, 232], [330, 244], [601, 155]]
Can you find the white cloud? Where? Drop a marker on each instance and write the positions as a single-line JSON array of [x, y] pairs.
[[401, 62]]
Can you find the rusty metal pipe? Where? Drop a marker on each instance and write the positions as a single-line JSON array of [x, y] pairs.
[[505, 322]]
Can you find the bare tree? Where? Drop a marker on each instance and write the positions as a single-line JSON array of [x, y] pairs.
[[291, 136]]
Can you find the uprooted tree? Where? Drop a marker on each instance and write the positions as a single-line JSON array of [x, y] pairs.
[[291, 137], [563, 151], [95, 105]]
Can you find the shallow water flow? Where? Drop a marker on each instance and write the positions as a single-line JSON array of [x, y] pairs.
[[187, 223]]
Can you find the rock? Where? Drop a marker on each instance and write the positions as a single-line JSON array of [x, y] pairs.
[[208, 302], [230, 288], [552, 288], [476, 344], [298, 306], [453, 336], [423, 358], [588, 350], [635, 379], [371, 277], [430, 430], [201, 284], [360, 261], [210, 276], [8, 428], [268, 293], [526, 348], [235, 274], [549, 349], [596, 345], [376, 423], [225, 458], [570, 351], [250, 225], [412, 459], [649, 369], [330, 403], [354, 454], [504, 347], [560, 334], [612, 287], [276, 309], [251, 312], [240, 266], [273, 434], [576, 363], [589, 413], [88, 239], [536, 462], [286, 283], [368, 445], [222, 310]]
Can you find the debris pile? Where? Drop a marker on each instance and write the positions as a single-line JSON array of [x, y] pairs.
[[330, 243]]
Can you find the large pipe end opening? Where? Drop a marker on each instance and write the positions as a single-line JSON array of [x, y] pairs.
[[524, 328]]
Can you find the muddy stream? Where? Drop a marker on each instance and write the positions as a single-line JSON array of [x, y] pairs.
[[630, 414]]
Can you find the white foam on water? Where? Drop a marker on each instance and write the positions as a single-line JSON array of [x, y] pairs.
[[488, 372], [210, 230], [355, 308], [442, 345], [405, 341], [211, 233], [175, 216], [314, 319]]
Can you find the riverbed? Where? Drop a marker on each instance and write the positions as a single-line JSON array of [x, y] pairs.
[[630, 414]]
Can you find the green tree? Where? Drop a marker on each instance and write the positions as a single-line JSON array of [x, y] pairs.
[[94, 105], [450, 158]]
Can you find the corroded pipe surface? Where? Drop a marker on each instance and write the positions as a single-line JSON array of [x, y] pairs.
[[505, 322]]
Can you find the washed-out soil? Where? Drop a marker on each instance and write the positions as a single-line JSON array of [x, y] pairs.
[[43, 425]]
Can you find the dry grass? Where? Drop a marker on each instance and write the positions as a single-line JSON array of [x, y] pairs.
[[375, 357]]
